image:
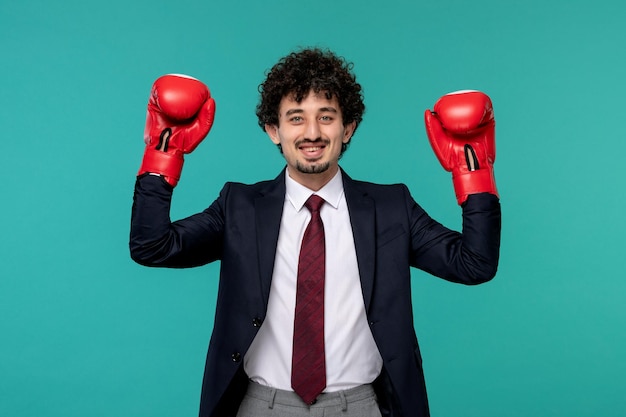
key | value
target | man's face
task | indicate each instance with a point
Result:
(310, 134)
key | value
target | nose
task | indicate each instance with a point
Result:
(312, 130)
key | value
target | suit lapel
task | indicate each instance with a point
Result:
(268, 213)
(362, 216)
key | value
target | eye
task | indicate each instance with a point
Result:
(295, 119)
(326, 118)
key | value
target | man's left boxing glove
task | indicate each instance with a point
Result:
(461, 130)
(180, 115)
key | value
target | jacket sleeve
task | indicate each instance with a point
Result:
(156, 241)
(470, 257)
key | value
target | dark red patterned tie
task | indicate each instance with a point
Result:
(308, 366)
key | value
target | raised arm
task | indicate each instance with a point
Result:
(180, 115)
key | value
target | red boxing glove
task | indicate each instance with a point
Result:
(461, 130)
(180, 115)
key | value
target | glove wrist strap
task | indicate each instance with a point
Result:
(169, 165)
(474, 182)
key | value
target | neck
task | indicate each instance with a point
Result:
(313, 181)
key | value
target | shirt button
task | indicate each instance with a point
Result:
(256, 322)
(236, 357)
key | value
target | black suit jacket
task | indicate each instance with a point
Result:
(391, 234)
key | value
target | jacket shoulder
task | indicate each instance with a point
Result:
(256, 189)
(377, 190)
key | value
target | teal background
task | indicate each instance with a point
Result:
(86, 332)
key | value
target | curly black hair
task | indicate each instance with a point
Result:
(311, 69)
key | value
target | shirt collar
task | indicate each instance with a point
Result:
(297, 194)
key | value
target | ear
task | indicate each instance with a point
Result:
(272, 132)
(348, 132)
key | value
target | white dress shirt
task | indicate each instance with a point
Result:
(352, 357)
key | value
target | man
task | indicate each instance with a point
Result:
(314, 307)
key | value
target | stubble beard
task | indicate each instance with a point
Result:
(312, 169)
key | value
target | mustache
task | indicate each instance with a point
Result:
(318, 141)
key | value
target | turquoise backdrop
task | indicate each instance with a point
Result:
(86, 332)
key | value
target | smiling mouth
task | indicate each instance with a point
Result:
(312, 148)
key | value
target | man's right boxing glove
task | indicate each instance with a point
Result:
(461, 130)
(180, 115)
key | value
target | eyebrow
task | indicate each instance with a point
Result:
(321, 110)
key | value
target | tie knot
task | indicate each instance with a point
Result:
(314, 203)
